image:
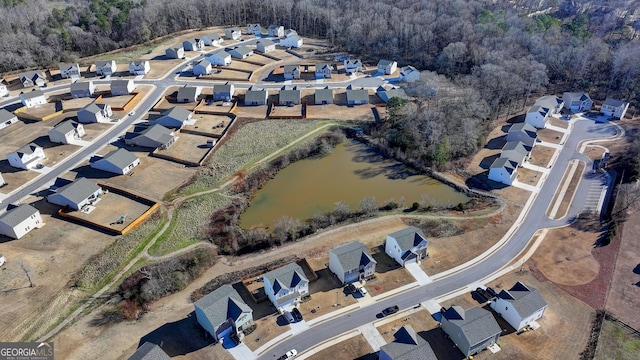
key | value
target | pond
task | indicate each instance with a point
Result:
(350, 173)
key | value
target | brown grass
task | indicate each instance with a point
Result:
(188, 147)
(420, 321)
(549, 135)
(557, 122)
(570, 190)
(541, 155)
(352, 348)
(527, 176)
(267, 328)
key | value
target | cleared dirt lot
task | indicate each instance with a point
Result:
(541, 155)
(188, 147)
(355, 347)
(213, 125)
(420, 321)
(549, 135)
(527, 176)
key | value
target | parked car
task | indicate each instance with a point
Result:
(484, 293)
(352, 288)
(390, 310)
(289, 317)
(492, 292)
(289, 355)
(478, 297)
(363, 291)
(296, 314)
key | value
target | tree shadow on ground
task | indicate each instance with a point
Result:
(179, 337)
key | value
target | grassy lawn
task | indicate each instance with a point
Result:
(133, 54)
(617, 343)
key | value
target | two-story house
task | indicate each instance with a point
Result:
(17, 222)
(352, 262)
(27, 157)
(406, 246)
(520, 306)
(66, 132)
(223, 312)
(286, 286)
(471, 330)
(577, 101)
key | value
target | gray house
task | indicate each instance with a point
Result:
(265, 45)
(7, 118)
(106, 67)
(408, 245)
(193, 45)
(17, 222)
(352, 262)
(407, 345)
(188, 94)
(520, 306)
(223, 92)
(471, 330)
(276, 30)
(82, 89)
(523, 132)
(503, 170)
(285, 286)
(240, 52)
(324, 96)
(255, 97)
(357, 97)
(515, 151)
(77, 194)
(387, 94)
(95, 113)
(223, 312)
(149, 351)
(118, 161)
(174, 118)
(289, 97)
(69, 71)
(156, 137)
(291, 72)
(122, 87)
(176, 52)
(32, 78)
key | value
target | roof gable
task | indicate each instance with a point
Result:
(409, 237)
(353, 255)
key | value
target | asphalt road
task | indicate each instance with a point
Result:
(533, 221)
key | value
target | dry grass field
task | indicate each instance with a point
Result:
(541, 155)
(188, 147)
(549, 135)
(213, 125)
(355, 347)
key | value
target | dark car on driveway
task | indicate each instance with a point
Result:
(390, 310)
(296, 314)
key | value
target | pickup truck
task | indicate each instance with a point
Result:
(390, 310)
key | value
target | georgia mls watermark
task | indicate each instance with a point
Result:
(26, 350)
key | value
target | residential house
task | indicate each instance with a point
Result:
(3, 89)
(289, 97)
(352, 262)
(66, 132)
(503, 170)
(614, 108)
(386, 94)
(155, 137)
(118, 161)
(240, 52)
(523, 132)
(176, 52)
(149, 351)
(471, 330)
(293, 41)
(291, 72)
(193, 45)
(551, 102)
(537, 116)
(32, 78)
(223, 92)
(82, 89)
(255, 97)
(577, 101)
(139, 67)
(7, 118)
(188, 94)
(95, 113)
(77, 194)
(290, 33)
(219, 58)
(2, 182)
(70, 70)
(213, 40)
(324, 96)
(122, 87)
(27, 157)
(174, 118)
(515, 151)
(203, 67)
(106, 68)
(276, 31)
(232, 33)
(407, 345)
(222, 312)
(285, 286)
(33, 98)
(357, 97)
(387, 67)
(17, 222)
(520, 306)
(352, 66)
(254, 29)
(409, 74)
(406, 246)
(323, 71)
(265, 46)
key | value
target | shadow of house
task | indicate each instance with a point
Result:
(45, 207)
(261, 309)
(384, 262)
(440, 344)
(487, 161)
(504, 325)
(327, 281)
(517, 119)
(5, 168)
(45, 143)
(636, 270)
(90, 173)
(179, 337)
(481, 181)
(496, 143)
(371, 356)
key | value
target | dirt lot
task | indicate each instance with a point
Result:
(216, 106)
(42, 110)
(213, 125)
(226, 74)
(356, 347)
(241, 65)
(541, 155)
(528, 176)
(284, 111)
(327, 295)
(549, 135)
(420, 321)
(594, 152)
(252, 112)
(267, 328)
(389, 275)
(76, 104)
(188, 147)
(116, 101)
(573, 182)
(557, 122)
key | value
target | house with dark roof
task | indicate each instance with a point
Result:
(387, 67)
(188, 94)
(503, 170)
(149, 351)
(291, 72)
(255, 97)
(265, 45)
(95, 113)
(77, 195)
(155, 137)
(614, 108)
(352, 66)
(407, 345)
(223, 312)
(203, 67)
(17, 222)
(33, 98)
(240, 52)
(106, 67)
(577, 101)
(323, 96)
(520, 306)
(537, 116)
(82, 89)
(289, 97)
(406, 246)
(66, 132)
(515, 151)
(323, 71)
(219, 58)
(122, 87)
(7, 118)
(352, 262)
(69, 70)
(174, 118)
(357, 96)
(223, 92)
(276, 30)
(212, 39)
(232, 33)
(27, 157)
(386, 94)
(175, 52)
(193, 45)
(32, 78)
(290, 33)
(409, 74)
(139, 67)
(471, 330)
(523, 132)
(118, 161)
(254, 29)
(551, 102)
(285, 286)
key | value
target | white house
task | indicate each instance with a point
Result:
(174, 118)
(33, 98)
(118, 161)
(2, 182)
(219, 58)
(290, 33)
(212, 40)
(7, 118)
(188, 94)
(285, 286)
(95, 113)
(203, 67)
(352, 66)
(32, 78)
(265, 45)
(254, 29)
(240, 52)
(3, 90)
(276, 31)
(577, 101)
(77, 195)
(106, 67)
(409, 74)
(614, 108)
(407, 345)
(291, 72)
(155, 137)
(323, 71)
(193, 45)
(139, 67)
(471, 330)
(176, 52)
(27, 157)
(122, 87)
(66, 132)
(232, 33)
(352, 262)
(503, 170)
(255, 97)
(69, 70)
(537, 116)
(519, 306)
(293, 41)
(515, 151)
(223, 92)
(387, 67)
(82, 89)
(406, 246)
(17, 222)
(523, 132)
(223, 312)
